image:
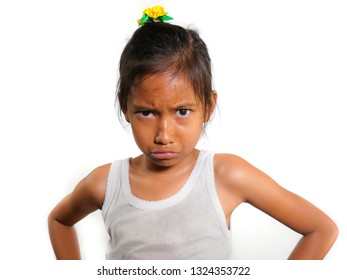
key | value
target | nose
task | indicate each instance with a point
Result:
(165, 133)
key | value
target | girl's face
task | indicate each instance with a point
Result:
(165, 118)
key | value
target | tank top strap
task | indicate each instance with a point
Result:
(211, 187)
(114, 181)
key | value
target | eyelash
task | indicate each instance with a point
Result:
(149, 114)
(142, 113)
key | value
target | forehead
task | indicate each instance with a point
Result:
(164, 87)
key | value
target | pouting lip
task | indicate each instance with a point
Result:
(163, 154)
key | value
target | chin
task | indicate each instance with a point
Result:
(164, 162)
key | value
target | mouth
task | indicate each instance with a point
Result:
(164, 155)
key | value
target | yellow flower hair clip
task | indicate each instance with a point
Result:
(154, 14)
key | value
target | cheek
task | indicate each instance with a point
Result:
(140, 132)
(192, 131)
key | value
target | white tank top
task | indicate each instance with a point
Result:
(187, 225)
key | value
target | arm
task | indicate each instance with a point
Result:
(87, 197)
(253, 186)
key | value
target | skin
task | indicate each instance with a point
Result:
(167, 122)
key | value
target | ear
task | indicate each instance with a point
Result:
(125, 112)
(209, 111)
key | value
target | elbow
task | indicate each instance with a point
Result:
(333, 232)
(330, 234)
(50, 222)
(50, 218)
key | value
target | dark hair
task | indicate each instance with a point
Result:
(165, 48)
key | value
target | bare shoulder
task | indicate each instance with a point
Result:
(230, 165)
(232, 168)
(228, 171)
(238, 175)
(94, 184)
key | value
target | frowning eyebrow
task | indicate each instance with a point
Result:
(185, 105)
(150, 107)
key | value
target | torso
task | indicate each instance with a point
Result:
(192, 193)
(150, 186)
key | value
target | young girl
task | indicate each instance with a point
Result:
(174, 201)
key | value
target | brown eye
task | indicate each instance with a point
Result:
(145, 114)
(183, 113)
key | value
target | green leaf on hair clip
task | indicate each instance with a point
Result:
(165, 18)
(143, 20)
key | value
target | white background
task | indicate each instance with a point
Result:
(280, 68)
